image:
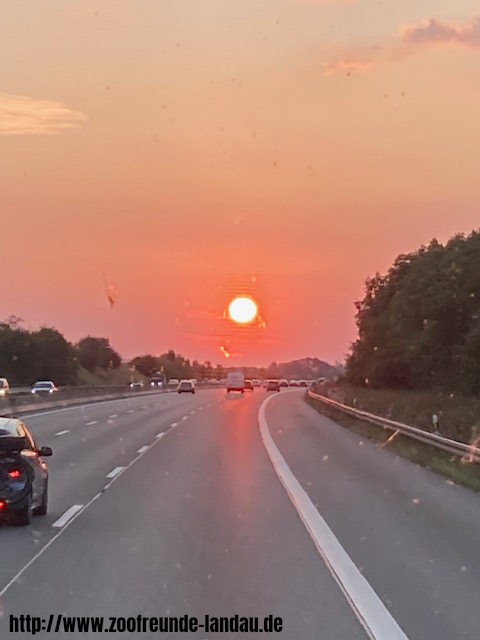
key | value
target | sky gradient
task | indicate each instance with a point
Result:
(176, 148)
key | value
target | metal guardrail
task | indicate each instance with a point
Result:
(468, 453)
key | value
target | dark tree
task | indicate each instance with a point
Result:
(418, 326)
(147, 365)
(96, 353)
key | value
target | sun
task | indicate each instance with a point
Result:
(243, 310)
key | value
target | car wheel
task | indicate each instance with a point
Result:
(41, 510)
(23, 517)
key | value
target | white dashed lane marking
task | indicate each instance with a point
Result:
(68, 515)
(114, 472)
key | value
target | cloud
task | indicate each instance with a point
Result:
(325, 2)
(432, 31)
(348, 65)
(23, 115)
(409, 40)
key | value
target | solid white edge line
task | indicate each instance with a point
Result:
(160, 435)
(143, 449)
(62, 433)
(369, 609)
(68, 515)
(114, 472)
(174, 424)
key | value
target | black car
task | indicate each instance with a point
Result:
(273, 385)
(23, 473)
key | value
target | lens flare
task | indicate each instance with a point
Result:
(242, 310)
(224, 350)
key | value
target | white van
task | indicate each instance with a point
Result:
(235, 381)
(4, 387)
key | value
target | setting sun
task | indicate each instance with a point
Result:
(242, 310)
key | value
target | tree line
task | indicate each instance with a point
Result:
(45, 354)
(419, 324)
(174, 365)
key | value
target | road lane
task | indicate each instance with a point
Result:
(414, 535)
(83, 457)
(200, 524)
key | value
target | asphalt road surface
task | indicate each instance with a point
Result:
(223, 505)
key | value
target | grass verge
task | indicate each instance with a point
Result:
(436, 460)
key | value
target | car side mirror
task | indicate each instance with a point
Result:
(44, 452)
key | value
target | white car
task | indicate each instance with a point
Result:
(44, 387)
(185, 386)
(136, 385)
(173, 382)
(4, 387)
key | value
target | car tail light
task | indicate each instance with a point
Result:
(14, 474)
(3, 504)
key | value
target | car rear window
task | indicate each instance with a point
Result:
(9, 428)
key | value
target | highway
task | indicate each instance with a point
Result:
(224, 505)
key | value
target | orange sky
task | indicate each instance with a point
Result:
(177, 145)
